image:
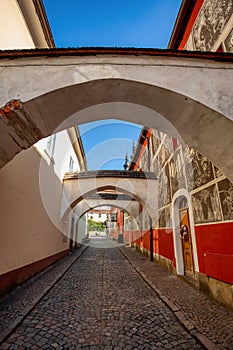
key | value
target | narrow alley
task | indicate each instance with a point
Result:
(96, 299)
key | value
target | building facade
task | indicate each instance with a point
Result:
(195, 198)
(25, 25)
(32, 233)
(204, 25)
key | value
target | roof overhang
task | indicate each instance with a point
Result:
(96, 51)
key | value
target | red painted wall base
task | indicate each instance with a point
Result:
(11, 279)
(215, 250)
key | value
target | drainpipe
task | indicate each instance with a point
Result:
(71, 236)
(150, 219)
(71, 246)
(148, 151)
(151, 240)
(76, 235)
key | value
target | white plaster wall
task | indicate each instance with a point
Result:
(27, 233)
(81, 228)
(62, 152)
(211, 80)
(14, 33)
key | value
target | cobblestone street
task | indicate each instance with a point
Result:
(100, 302)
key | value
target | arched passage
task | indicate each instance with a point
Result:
(131, 206)
(201, 127)
(137, 185)
(132, 210)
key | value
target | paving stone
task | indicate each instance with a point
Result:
(203, 314)
(101, 302)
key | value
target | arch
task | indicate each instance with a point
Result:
(102, 205)
(139, 186)
(201, 127)
(65, 209)
(182, 193)
(86, 205)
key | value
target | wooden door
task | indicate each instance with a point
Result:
(186, 243)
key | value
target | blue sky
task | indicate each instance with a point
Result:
(125, 23)
(107, 142)
(111, 23)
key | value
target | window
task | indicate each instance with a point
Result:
(71, 166)
(51, 145)
(99, 215)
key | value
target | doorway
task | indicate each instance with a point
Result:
(186, 238)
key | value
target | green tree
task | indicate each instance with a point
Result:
(95, 225)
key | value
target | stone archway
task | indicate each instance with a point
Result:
(138, 186)
(151, 90)
(130, 205)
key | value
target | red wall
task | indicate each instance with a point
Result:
(166, 246)
(215, 250)
(162, 241)
(214, 247)
(132, 236)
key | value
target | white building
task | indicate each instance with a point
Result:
(99, 214)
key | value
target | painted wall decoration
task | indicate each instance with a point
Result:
(218, 172)
(189, 44)
(226, 197)
(146, 221)
(130, 223)
(155, 167)
(210, 23)
(199, 169)
(168, 144)
(163, 155)
(177, 171)
(165, 217)
(164, 188)
(144, 161)
(173, 170)
(155, 140)
(229, 42)
(206, 206)
(211, 203)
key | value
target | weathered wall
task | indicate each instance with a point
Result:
(210, 27)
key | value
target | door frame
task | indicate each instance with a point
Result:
(176, 231)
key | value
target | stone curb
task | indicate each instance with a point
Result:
(23, 314)
(187, 323)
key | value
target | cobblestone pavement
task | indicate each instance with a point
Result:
(209, 321)
(101, 302)
(15, 306)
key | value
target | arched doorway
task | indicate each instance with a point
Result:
(184, 237)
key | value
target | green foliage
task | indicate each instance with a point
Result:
(95, 226)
